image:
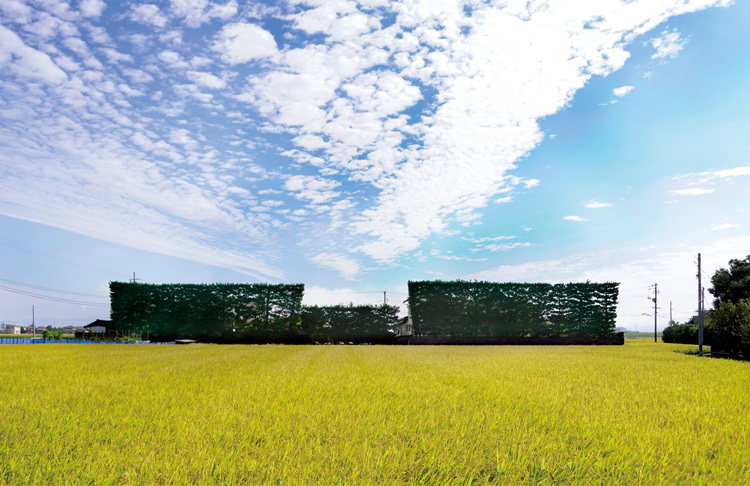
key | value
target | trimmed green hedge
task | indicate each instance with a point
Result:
(686, 333)
(208, 312)
(350, 323)
(461, 308)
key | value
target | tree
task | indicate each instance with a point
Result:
(731, 285)
(731, 329)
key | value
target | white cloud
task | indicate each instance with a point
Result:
(148, 14)
(27, 62)
(242, 42)
(574, 218)
(182, 137)
(597, 204)
(622, 91)
(197, 12)
(173, 59)
(16, 11)
(693, 191)
(207, 80)
(669, 44)
(345, 266)
(723, 226)
(730, 173)
(137, 75)
(92, 8)
(317, 190)
(507, 246)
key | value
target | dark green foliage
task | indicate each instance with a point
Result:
(462, 308)
(350, 323)
(733, 284)
(207, 312)
(110, 336)
(731, 329)
(681, 333)
(52, 335)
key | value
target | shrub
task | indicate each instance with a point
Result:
(52, 335)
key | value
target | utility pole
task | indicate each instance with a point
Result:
(134, 279)
(384, 298)
(33, 324)
(670, 312)
(656, 293)
(700, 309)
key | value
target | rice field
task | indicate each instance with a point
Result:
(642, 413)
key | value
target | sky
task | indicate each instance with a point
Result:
(356, 145)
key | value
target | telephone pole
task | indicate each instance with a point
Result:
(384, 297)
(656, 292)
(134, 279)
(700, 309)
(670, 312)
(33, 323)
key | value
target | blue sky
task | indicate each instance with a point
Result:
(355, 145)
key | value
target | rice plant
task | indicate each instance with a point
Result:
(642, 413)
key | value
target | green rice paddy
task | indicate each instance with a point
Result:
(642, 413)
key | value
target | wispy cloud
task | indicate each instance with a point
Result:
(345, 266)
(574, 218)
(668, 44)
(723, 226)
(622, 91)
(693, 191)
(598, 204)
(148, 14)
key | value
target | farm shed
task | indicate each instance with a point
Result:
(99, 326)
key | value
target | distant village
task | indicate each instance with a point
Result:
(98, 326)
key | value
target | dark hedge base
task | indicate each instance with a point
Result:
(615, 340)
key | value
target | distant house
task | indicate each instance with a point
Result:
(405, 327)
(99, 326)
(12, 329)
(405, 324)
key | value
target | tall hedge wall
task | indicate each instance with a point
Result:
(461, 308)
(211, 312)
(350, 323)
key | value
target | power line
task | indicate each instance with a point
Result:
(48, 297)
(48, 289)
(353, 292)
(49, 256)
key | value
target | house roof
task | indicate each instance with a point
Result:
(99, 323)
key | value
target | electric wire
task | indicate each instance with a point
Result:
(48, 289)
(48, 297)
(49, 256)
